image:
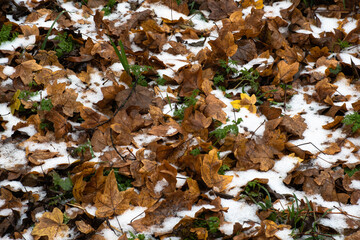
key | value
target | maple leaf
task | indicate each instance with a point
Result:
(25, 71)
(245, 102)
(112, 201)
(209, 172)
(286, 72)
(51, 225)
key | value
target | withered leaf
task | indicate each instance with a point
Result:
(224, 46)
(61, 125)
(84, 227)
(324, 89)
(294, 125)
(25, 71)
(170, 128)
(214, 108)
(112, 201)
(51, 225)
(92, 118)
(209, 172)
(9, 200)
(286, 72)
(141, 97)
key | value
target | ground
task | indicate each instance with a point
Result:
(183, 119)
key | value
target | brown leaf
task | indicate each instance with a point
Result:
(220, 9)
(294, 125)
(170, 128)
(112, 201)
(209, 172)
(61, 125)
(223, 46)
(336, 123)
(213, 108)
(315, 53)
(291, 55)
(92, 118)
(195, 122)
(66, 101)
(332, 149)
(270, 112)
(25, 71)
(84, 227)
(51, 225)
(286, 72)
(8, 199)
(156, 215)
(246, 51)
(324, 89)
(191, 79)
(141, 97)
(38, 155)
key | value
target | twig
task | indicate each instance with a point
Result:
(113, 145)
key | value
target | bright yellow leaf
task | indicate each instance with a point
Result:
(245, 102)
(259, 4)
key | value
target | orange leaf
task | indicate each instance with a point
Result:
(209, 172)
(51, 225)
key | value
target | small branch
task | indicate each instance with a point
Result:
(113, 145)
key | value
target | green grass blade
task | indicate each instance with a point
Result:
(121, 56)
(50, 29)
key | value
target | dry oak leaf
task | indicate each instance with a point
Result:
(209, 172)
(51, 225)
(245, 102)
(220, 9)
(112, 201)
(272, 228)
(286, 72)
(67, 102)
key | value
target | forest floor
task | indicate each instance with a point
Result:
(181, 119)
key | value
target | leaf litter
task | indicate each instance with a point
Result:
(219, 119)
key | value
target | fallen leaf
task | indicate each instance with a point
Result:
(209, 172)
(245, 102)
(286, 72)
(51, 225)
(112, 201)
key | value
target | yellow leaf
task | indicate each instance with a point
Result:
(245, 102)
(297, 158)
(236, 104)
(51, 225)
(259, 4)
(15, 102)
